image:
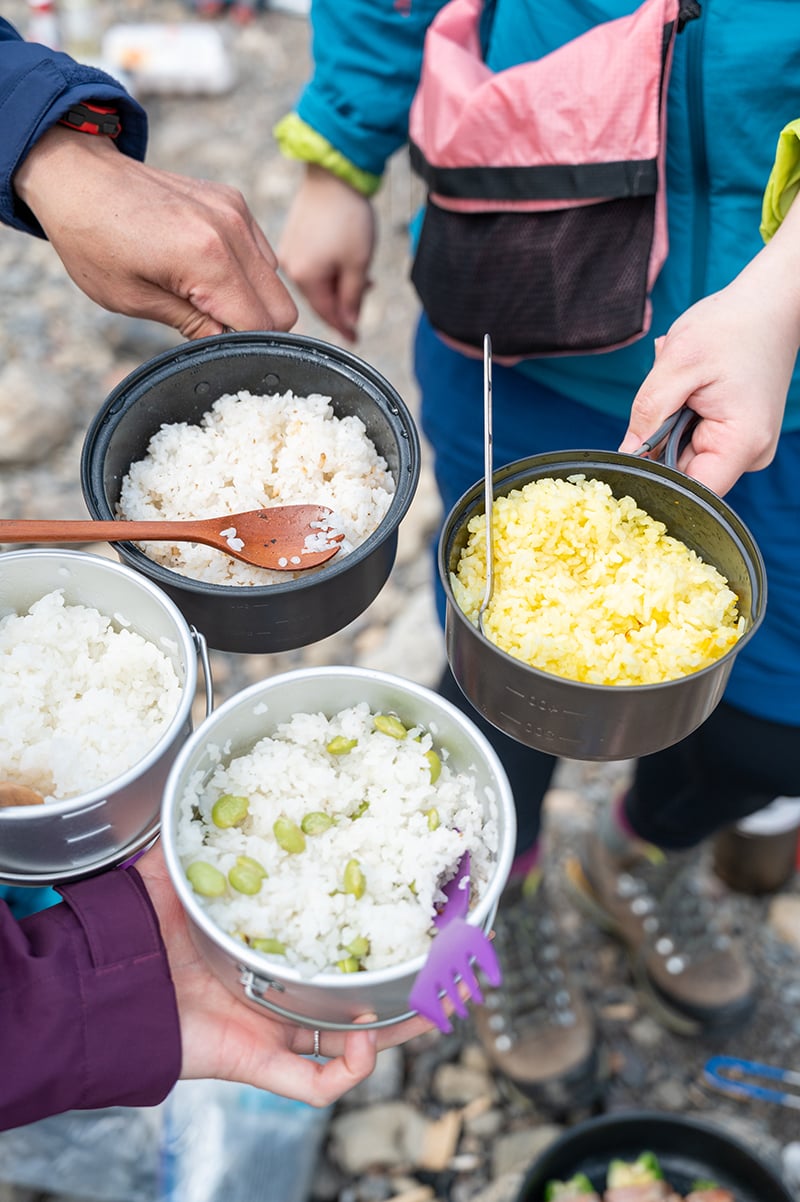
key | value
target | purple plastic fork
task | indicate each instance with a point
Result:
(455, 947)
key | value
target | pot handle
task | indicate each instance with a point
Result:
(201, 647)
(255, 990)
(676, 430)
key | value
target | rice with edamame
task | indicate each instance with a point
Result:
(82, 698)
(327, 844)
(252, 452)
(590, 587)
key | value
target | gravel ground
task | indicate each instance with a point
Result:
(437, 1124)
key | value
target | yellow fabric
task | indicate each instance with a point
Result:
(784, 180)
(298, 140)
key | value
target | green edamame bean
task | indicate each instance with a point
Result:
(354, 880)
(433, 819)
(436, 765)
(348, 965)
(205, 879)
(388, 724)
(229, 810)
(246, 875)
(359, 947)
(362, 809)
(316, 822)
(289, 835)
(252, 864)
(341, 745)
(273, 947)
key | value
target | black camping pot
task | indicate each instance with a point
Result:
(687, 1151)
(602, 722)
(181, 385)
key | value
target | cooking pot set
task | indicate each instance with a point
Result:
(66, 840)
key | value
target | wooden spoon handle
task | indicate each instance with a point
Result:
(35, 530)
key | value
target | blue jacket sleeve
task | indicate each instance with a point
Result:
(367, 56)
(88, 1017)
(37, 86)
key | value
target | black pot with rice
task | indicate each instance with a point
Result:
(551, 709)
(179, 389)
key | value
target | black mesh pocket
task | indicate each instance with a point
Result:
(552, 282)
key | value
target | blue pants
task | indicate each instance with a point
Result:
(763, 691)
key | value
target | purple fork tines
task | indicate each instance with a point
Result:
(455, 948)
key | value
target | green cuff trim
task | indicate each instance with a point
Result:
(298, 140)
(784, 180)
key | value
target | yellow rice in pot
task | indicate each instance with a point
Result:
(590, 587)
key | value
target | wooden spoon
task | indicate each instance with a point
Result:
(18, 795)
(285, 538)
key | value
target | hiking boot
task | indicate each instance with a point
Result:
(535, 1027)
(663, 910)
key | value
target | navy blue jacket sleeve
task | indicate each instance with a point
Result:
(88, 1016)
(37, 86)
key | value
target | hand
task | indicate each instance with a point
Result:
(145, 242)
(730, 358)
(326, 248)
(224, 1038)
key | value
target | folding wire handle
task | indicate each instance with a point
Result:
(677, 430)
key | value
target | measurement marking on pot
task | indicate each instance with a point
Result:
(86, 810)
(89, 834)
(547, 707)
(539, 732)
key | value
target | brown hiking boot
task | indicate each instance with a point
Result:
(535, 1026)
(662, 909)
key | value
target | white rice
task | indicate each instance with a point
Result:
(252, 452)
(302, 901)
(80, 700)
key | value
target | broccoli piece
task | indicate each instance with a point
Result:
(577, 1185)
(641, 1171)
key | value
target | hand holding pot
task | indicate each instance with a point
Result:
(730, 358)
(145, 242)
(223, 1038)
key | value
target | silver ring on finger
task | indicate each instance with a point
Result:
(316, 1045)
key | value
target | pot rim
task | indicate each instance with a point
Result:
(184, 634)
(254, 961)
(120, 401)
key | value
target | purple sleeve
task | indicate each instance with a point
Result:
(88, 1016)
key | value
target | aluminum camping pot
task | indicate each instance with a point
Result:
(582, 721)
(326, 1000)
(181, 385)
(65, 840)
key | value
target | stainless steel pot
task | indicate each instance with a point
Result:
(328, 1000)
(687, 1150)
(601, 722)
(181, 385)
(66, 840)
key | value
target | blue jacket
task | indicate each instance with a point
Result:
(37, 86)
(735, 83)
